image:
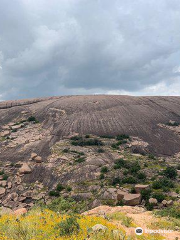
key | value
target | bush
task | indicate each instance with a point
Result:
(134, 168)
(5, 177)
(132, 190)
(54, 193)
(120, 163)
(163, 183)
(32, 119)
(59, 187)
(104, 169)
(69, 226)
(2, 172)
(149, 206)
(116, 180)
(107, 136)
(172, 211)
(129, 180)
(159, 196)
(101, 176)
(115, 146)
(146, 194)
(122, 137)
(170, 172)
(100, 150)
(151, 156)
(178, 167)
(172, 124)
(69, 189)
(141, 176)
(80, 160)
(67, 205)
(86, 142)
(66, 150)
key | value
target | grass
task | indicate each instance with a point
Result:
(119, 216)
(48, 225)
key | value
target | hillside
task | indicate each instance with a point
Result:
(101, 115)
(80, 152)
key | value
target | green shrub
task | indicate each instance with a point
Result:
(172, 211)
(69, 226)
(120, 163)
(87, 142)
(100, 150)
(163, 183)
(122, 137)
(32, 119)
(69, 189)
(80, 160)
(107, 136)
(104, 169)
(149, 206)
(59, 187)
(54, 193)
(151, 156)
(146, 194)
(159, 196)
(129, 180)
(141, 176)
(66, 150)
(132, 190)
(101, 176)
(2, 172)
(5, 177)
(115, 146)
(134, 167)
(67, 205)
(116, 180)
(173, 124)
(87, 136)
(170, 172)
(120, 142)
(178, 167)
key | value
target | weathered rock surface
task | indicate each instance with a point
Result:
(25, 169)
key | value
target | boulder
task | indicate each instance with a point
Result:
(38, 159)
(25, 169)
(120, 195)
(33, 155)
(20, 211)
(98, 228)
(9, 185)
(132, 199)
(4, 134)
(140, 187)
(2, 191)
(3, 183)
(164, 203)
(170, 202)
(153, 201)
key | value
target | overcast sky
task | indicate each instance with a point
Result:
(59, 47)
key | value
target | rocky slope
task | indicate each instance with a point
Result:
(68, 146)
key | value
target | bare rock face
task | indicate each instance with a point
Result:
(20, 211)
(132, 199)
(2, 191)
(33, 155)
(140, 187)
(5, 133)
(25, 169)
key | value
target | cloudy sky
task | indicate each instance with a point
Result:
(59, 47)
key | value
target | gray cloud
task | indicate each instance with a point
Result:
(88, 46)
